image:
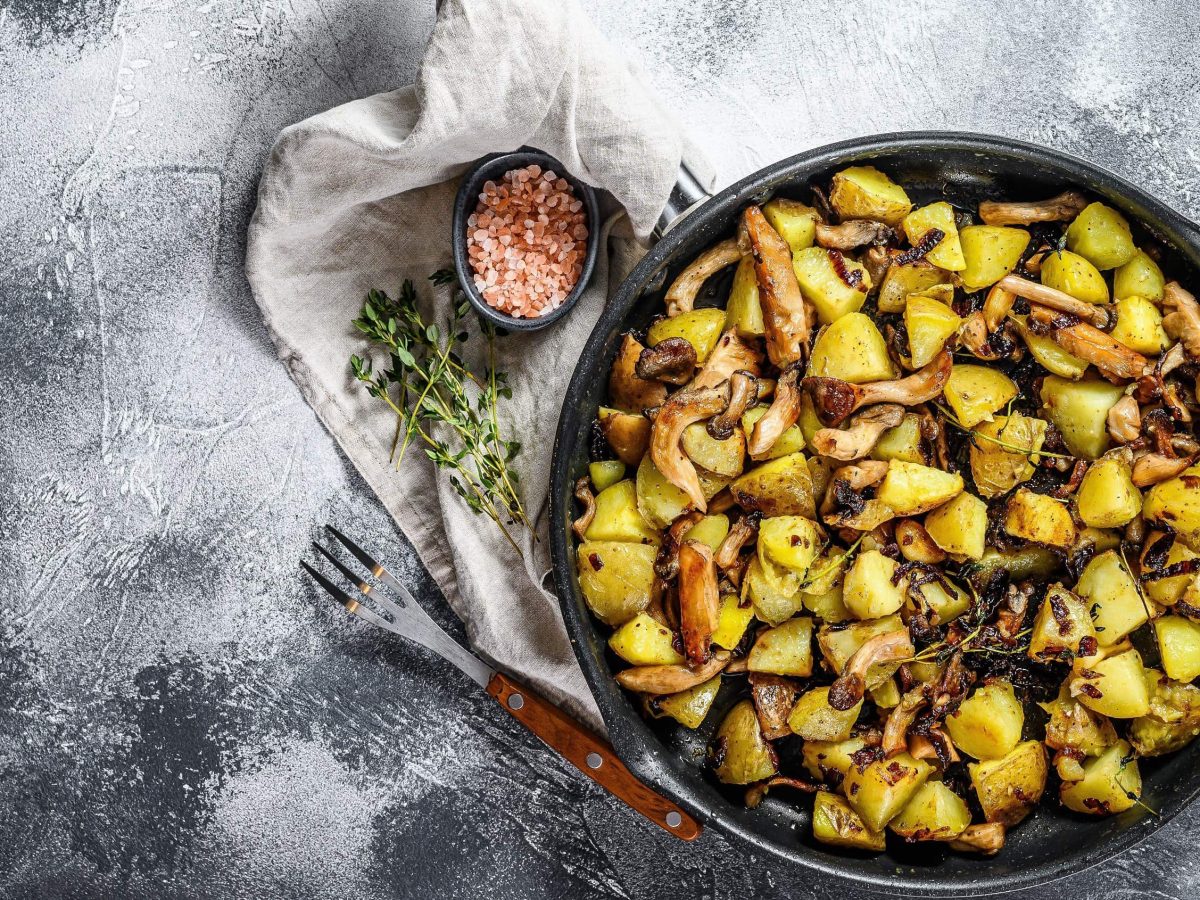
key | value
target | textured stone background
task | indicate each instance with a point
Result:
(181, 715)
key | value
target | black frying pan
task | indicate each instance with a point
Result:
(964, 169)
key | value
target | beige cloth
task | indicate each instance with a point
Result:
(360, 197)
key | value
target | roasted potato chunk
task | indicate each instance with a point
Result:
(1039, 518)
(869, 591)
(835, 822)
(935, 813)
(1010, 787)
(616, 578)
(820, 275)
(1102, 236)
(1113, 598)
(740, 754)
(911, 489)
(701, 328)
(929, 324)
(959, 526)
(1107, 497)
(1115, 686)
(785, 649)
(642, 641)
(1140, 277)
(1179, 646)
(975, 392)
(690, 708)
(813, 719)
(863, 192)
(744, 312)
(1063, 628)
(1072, 274)
(1111, 783)
(947, 253)
(988, 723)
(1079, 409)
(852, 349)
(879, 792)
(1004, 452)
(1175, 504)
(618, 518)
(989, 252)
(795, 222)
(780, 487)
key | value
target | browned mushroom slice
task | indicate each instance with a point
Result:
(1154, 468)
(757, 793)
(895, 732)
(835, 399)
(672, 360)
(1125, 420)
(851, 481)
(681, 410)
(987, 839)
(743, 390)
(1182, 320)
(975, 337)
(628, 435)
(583, 493)
(1063, 208)
(1098, 347)
(997, 306)
(743, 531)
(699, 602)
(877, 261)
(916, 545)
(852, 234)
(1055, 299)
(671, 679)
(785, 317)
(774, 696)
(863, 433)
(626, 391)
(731, 354)
(850, 686)
(681, 295)
(780, 416)
(666, 564)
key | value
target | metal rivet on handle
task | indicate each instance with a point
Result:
(516, 701)
(674, 819)
(595, 760)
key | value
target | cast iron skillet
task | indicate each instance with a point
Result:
(963, 168)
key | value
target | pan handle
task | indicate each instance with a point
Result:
(685, 196)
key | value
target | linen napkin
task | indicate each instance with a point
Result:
(360, 197)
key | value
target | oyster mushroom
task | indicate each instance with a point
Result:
(681, 295)
(1063, 208)
(780, 416)
(774, 697)
(583, 493)
(1099, 348)
(843, 505)
(682, 409)
(861, 436)
(1055, 299)
(743, 390)
(975, 337)
(672, 360)
(756, 793)
(1125, 420)
(699, 601)
(835, 399)
(852, 683)
(731, 354)
(1153, 468)
(853, 234)
(997, 306)
(1182, 320)
(895, 732)
(743, 531)
(785, 316)
(671, 679)
(987, 839)
(666, 564)
(625, 389)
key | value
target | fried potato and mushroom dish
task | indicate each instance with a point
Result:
(920, 499)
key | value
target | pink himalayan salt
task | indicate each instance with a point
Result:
(526, 242)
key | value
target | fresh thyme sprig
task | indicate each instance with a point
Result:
(1016, 448)
(429, 385)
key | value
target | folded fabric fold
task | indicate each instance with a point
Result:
(360, 197)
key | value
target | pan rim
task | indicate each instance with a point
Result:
(633, 740)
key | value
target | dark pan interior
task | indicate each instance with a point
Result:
(963, 169)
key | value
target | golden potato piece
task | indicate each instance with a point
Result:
(1010, 787)
(864, 192)
(740, 753)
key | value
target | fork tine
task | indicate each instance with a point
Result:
(343, 568)
(366, 588)
(332, 589)
(352, 605)
(357, 552)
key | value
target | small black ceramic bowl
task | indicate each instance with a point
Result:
(493, 168)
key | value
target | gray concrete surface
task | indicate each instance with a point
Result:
(181, 715)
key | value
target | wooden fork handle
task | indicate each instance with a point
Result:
(590, 754)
